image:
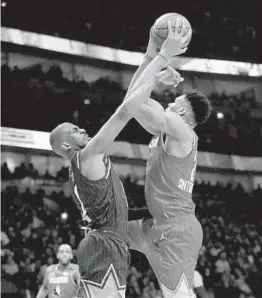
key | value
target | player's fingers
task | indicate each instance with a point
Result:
(185, 38)
(181, 32)
(176, 26)
(170, 30)
(183, 50)
(179, 25)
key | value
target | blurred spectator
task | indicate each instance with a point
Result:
(5, 173)
(237, 133)
(230, 259)
(231, 32)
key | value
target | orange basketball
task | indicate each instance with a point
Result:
(160, 27)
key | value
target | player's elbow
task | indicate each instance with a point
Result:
(128, 109)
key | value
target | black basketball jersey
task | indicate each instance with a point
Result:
(102, 202)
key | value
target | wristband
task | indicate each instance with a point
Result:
(163, 56)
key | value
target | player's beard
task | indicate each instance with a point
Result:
(84, 141)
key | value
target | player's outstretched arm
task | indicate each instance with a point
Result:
(103, 139)
(171, 47)
(162, 121)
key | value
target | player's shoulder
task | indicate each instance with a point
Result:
(50, 269)
(74, 267)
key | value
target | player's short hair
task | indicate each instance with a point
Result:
(201, 106)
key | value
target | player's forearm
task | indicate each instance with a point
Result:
(151, 113)
(43, 292)
(134, 101)
(138, 72)
(102, 140)
(149, 71)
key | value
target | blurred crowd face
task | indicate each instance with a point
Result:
(50, 261)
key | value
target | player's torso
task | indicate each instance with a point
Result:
(102, 202)
(169, 181)
(61, 284)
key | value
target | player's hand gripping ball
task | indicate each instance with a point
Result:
(160, 28)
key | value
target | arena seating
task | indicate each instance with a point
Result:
(39, 96)
(230, 259)
(221, 30)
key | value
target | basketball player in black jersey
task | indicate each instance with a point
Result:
(102, 255)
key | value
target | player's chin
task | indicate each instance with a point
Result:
(64, 261)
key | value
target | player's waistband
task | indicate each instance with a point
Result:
(172, 220)
(112, 233)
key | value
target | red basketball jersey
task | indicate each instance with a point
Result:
(169, 180)
(61, 284)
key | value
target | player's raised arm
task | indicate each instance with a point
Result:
(110, 130)
(165, 121)
(172, 46)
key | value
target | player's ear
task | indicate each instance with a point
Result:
(65, 146)
(182, 111)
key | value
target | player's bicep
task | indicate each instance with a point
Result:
(152, 116)
(145, 124)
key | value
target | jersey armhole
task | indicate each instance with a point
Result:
(106, 162)
(169, 154)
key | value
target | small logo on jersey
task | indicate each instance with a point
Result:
(163, 237)
(153, 143)
(57, 291)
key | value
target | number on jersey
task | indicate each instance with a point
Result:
(193, 173)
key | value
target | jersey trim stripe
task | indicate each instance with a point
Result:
(101, 285)
(88, 294)
(108, 169)
(83, 210)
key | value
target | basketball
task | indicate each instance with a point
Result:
(160, 27)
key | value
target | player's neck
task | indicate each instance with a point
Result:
(189, 123)
(62, 267)
(71, 153)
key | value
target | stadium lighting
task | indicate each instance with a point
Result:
(64, 216)
(220, 115)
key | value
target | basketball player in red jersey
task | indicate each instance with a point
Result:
(61, 280)
(172, 239)
(103, 255)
